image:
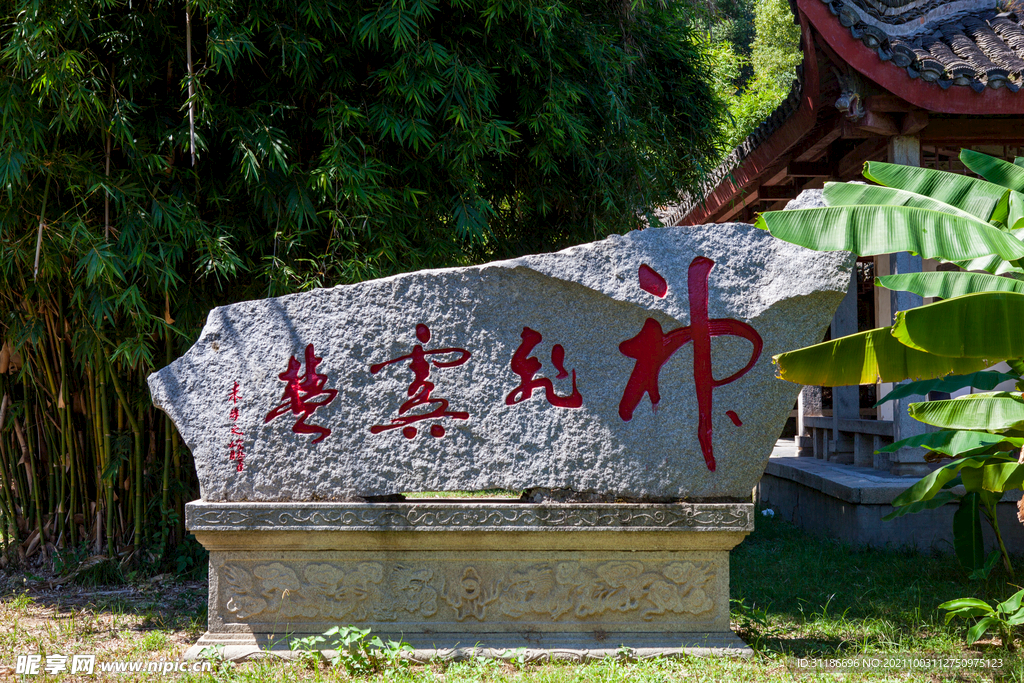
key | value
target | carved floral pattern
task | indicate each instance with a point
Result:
(376, 516)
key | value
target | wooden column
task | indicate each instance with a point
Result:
(906, 150)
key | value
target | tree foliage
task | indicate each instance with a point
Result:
(333, 142)
(764, 68)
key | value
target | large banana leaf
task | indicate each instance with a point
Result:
(977, 197)
(996, 411)
(938, 500)
(1002, 476)
(1015, 211)
(1018, 161)
(984, 325)
(871, 230)
(856, 194)
(979, 380)
(957, 443)
(865, 358)
(994, 264)
(931, 484)
(996, 171)
(947, 285)
(968, 543)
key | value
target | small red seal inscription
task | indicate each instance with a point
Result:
(236, 446)
(298, 393)
(653, 347)
(421, 387)
(526, 366)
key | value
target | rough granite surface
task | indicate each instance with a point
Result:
(228, 399)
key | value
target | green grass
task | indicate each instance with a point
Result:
(794, 596)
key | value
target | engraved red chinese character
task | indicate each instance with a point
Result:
(526, 366)
(236, 446)
(299, 392)
(419, 390)
(653, 347)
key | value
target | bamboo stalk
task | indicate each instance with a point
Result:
(101, 373)
(25, 438)
(137, 432)
(191, 89)
(165, 496)
(42, 222)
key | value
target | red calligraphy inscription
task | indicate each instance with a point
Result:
(299, 392)
(653, 347)
(236, 446)
(419, 390)
(526, 366)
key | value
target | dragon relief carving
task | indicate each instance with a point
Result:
(567, 587)
(554, 589)
(325, 591)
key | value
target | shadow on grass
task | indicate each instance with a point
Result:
(795, 593)
(156, 605)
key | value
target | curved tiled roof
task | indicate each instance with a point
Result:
(958, 42)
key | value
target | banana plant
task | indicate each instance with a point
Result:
(977, 224)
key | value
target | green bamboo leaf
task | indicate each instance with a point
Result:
(865, 358)
(947, 285)
(984, 325)
(977, 197)
(996, 411)
(986, 380)
(956, 443)
(967, 540)
(856, 194)
(873, 230)
(996, 171)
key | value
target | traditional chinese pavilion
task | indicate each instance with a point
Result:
(904, 81)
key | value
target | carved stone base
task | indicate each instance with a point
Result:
(561, 580)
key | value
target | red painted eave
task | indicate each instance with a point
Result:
(957, 99)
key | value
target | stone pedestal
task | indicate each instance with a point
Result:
(455, 578)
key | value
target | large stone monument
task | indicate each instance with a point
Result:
(625, 387)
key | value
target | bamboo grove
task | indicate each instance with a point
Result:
(159, 158)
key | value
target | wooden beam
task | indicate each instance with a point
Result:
(914, 122)
(773, 193)
(809, 169)
(888, 103)
(871, 124)
(820, 147)
(740, 204)
(973, 131)
(851, 165)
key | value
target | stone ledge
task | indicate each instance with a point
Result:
(845, 482)
(245, 647)
(468, 516)
(849, 483)
(876, 427)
